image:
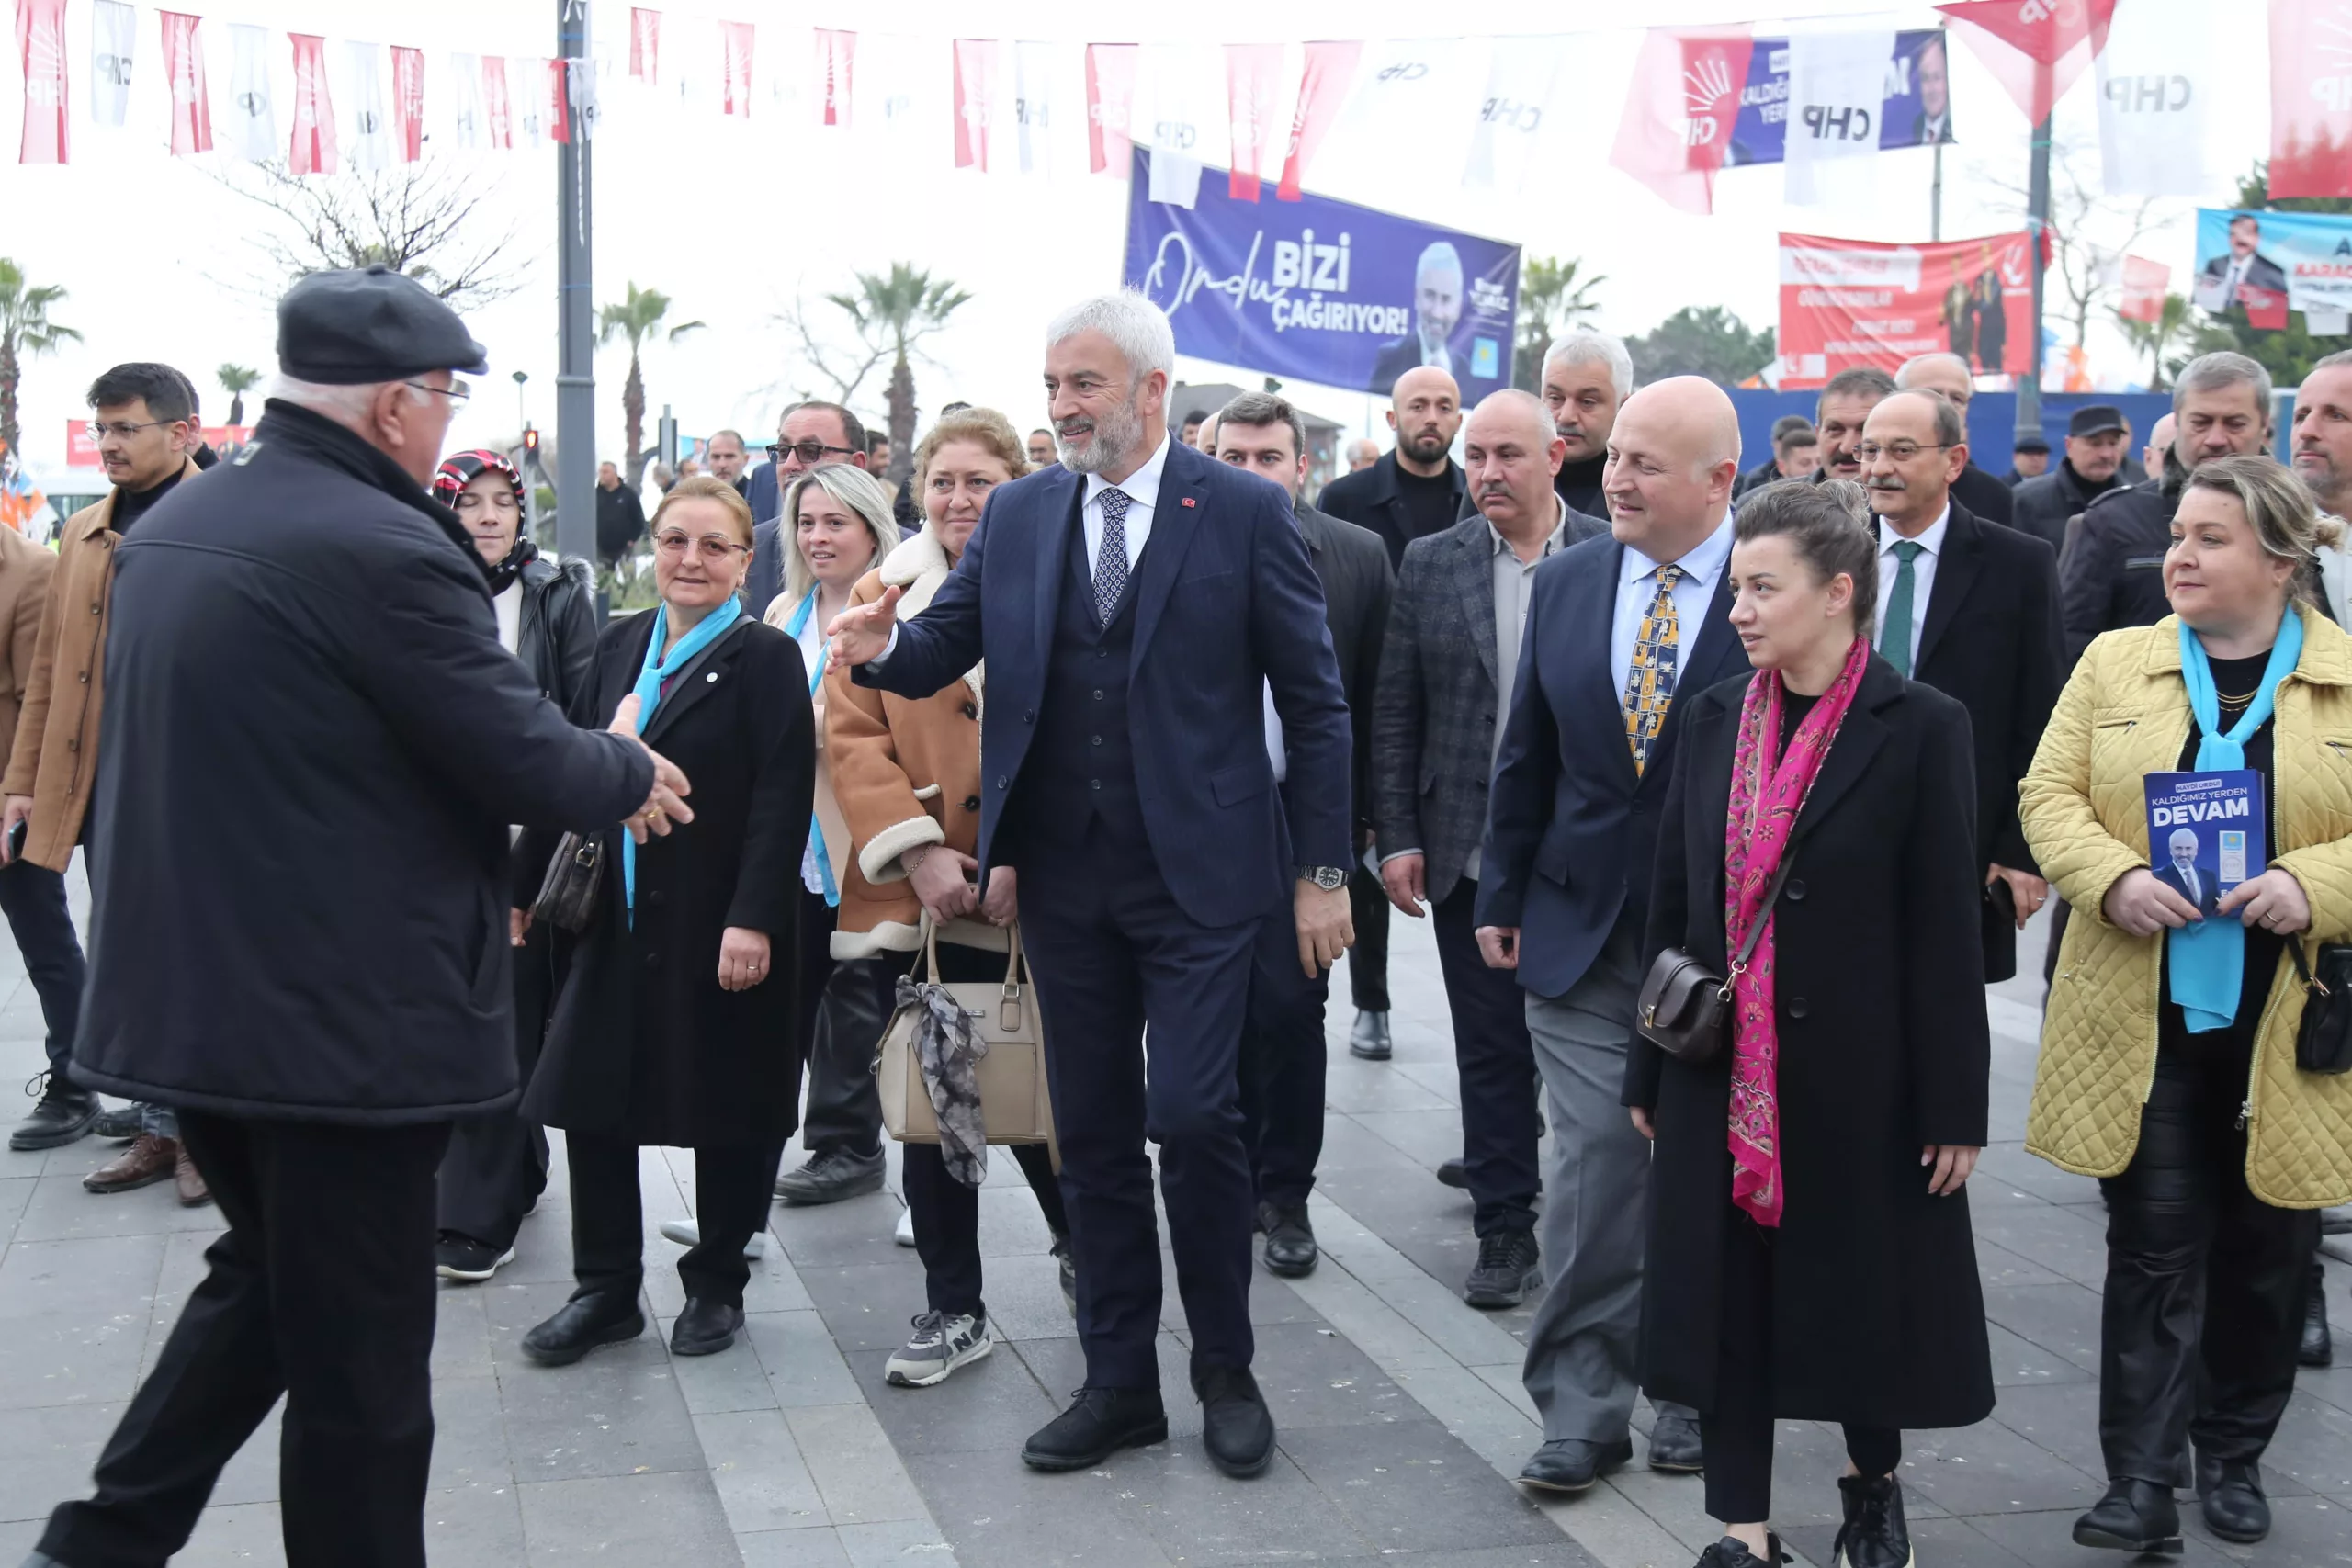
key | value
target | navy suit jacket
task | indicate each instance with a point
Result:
(1571, 827)
(1226, 600)
(2208, 898)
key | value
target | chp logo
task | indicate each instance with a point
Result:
(2334, 91)
(1706, 93)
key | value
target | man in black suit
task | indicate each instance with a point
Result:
(2181, 874)
(1587, 377)
(1972, 611)
(1437, 310)
(1446, 668)
(2240, 266)
(2096, 437)
(1282, 1060)
(1979, 492)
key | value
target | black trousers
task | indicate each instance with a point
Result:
(33, 898)
(1283, 1064)
(321, 1290)
(846, 1007)
(2204, 1300)
(1368, 959)
(1737, 1433)
(731, 1200)
(1501, 1123)
(497, 1165)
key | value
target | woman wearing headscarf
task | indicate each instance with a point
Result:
(497, 1166)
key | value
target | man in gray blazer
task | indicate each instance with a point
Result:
(1445, 678)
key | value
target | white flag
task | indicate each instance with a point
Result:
(1408, 119)
(112, 26)
(901, 112)
(366, 125)
(1033, 105)
(465, 101)
(1181, 116)
(1521, 79)
(253, 114)
(1837, 88)
(580, 81)
(2155, 76)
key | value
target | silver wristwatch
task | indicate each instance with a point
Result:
(1330, 878)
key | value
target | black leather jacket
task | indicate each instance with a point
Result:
(557, 637)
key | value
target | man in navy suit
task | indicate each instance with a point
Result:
(2180, 874)
(1616, 629)
(1137, 605)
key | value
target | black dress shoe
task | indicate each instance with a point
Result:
(582, 1325)
(704, 1326)
(2230, 1491)
(1453, 1173)
(1573, 1464)
(1099, 1423)
(122, 1124)
(1291, 1251)
(2134, 1516)
(63, 1114)
(830, 1176)
(1675, 1447)
(1874, 1535)
(1508, 1267)
(1369, 1039)
(1732, 1553)
(2318, 1350)
(1236, 1426)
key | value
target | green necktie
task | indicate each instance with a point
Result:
(1894, 642)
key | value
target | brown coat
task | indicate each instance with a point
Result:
(906, 772)
(25, 572)
(55, 756)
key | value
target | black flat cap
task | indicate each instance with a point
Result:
(2031, 444)
(348, 329)
(2096, 419)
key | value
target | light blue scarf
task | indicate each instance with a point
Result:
(2209, 956)
(799, 624)
(655, 670)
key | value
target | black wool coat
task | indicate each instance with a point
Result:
(643, 1042)
(1878, 1317)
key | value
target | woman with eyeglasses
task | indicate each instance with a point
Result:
(497, 1166)
(675, 1024)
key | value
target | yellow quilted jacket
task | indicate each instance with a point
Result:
(2123, 714)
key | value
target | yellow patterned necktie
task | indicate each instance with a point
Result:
(1649, 685)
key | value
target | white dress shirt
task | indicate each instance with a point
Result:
(1923, 575)
(1143, 500)
(507, 604)
(1637, 591)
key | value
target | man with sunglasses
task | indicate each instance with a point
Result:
(810, 435)
(146, 420)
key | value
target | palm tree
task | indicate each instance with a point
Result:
(1553, 297)
(236, 380)
(25, 331)
(638, 317)
(2152, 338)
(895, 312)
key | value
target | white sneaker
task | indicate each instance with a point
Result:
(905, 1235)
(940, 1344)
(687, 1233)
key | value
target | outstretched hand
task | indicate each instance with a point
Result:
(667, 802)
(861, 634)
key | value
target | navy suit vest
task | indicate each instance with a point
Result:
(1082, 765)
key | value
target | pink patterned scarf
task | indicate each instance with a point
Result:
(1767, 797)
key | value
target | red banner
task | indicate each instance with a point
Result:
(1251, 73)
(645, 45)
(559, 101)
(2311, 102)
(735, 41)
(1110, 106)
(183, 69)
(41, 46)
(836, 55)
(975, 96)
(1322, 85)
(2036, 48)
(1676, 127)
(497, 108)
(408, 102)
(1848, 302)
(312, 148)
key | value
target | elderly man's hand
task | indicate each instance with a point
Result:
(667, 802)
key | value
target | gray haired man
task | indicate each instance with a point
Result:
(1587, 377)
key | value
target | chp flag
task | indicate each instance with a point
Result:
(1854, 302)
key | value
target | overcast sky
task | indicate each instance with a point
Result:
(735, 218)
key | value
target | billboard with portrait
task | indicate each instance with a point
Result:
(1323, 290)
(2271, 262)
(1848, 302)
(1917, 111)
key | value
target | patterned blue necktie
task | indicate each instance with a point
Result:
(1111, 564)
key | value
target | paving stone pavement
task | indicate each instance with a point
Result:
(1401, 1409)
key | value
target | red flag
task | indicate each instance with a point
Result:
(497, 108)
(2310, 101)
(1110, 106)
(40, 45)
(312, 150)
(2037, 48)
(1250, 70)
(1676, 127)
(408, 102)
(2144, 282)
(836, 55)
(735, 41)
(975, 93)
(558, 102)
(1322, 87)
(183, 69)
(645, 45)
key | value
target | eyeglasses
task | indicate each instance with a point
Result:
(812, 451)
(1901, 451)
(457, 391)
(672, 542)
(97, 431)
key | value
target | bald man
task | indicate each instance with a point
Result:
(1362, 454)
(1416, 490)
(1981, 492)
(1617, 628)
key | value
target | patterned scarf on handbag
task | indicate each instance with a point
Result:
(1768, 796)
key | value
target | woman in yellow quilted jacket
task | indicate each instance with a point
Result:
(2167, 1063)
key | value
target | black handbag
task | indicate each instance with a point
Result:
(568, 894)
(2324, 1039)
(1685, 1007)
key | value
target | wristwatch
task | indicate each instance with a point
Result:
(1330, 878)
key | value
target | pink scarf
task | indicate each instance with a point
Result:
(1766, 799)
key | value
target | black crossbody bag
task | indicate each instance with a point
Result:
(2324, 1038)
(1685, 1007)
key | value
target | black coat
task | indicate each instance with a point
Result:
(1984, 495)
(2111, 570)
(314, 747)
(643, 1042)
(1357, 587)
(1370, 498)
(1878, 1317)
(620, 518)
(1579, 484)
(1991, 641)
(2044, 505)
(556, 633)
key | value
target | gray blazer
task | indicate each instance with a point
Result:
(1433, 711)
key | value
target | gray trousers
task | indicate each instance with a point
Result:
(1596, 1179)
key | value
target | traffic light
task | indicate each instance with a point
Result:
(531, 444)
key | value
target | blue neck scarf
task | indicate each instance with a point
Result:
(649, 677)
(798, 623)
(2209, 956)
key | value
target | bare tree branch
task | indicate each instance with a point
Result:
(2080, 215)
(845, 369)
(422, 219)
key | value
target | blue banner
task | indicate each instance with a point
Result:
(2274, 261)
(1917, 112)
(1322, 291)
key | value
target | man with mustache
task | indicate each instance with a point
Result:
(1845, 402)
(1587, 375)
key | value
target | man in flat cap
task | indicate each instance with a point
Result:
(2098, 437)
(314, 745)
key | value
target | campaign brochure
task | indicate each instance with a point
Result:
(2205, 832)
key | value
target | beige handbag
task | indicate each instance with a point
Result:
(1014, 1104)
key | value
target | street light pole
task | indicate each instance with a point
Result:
(576, 381)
